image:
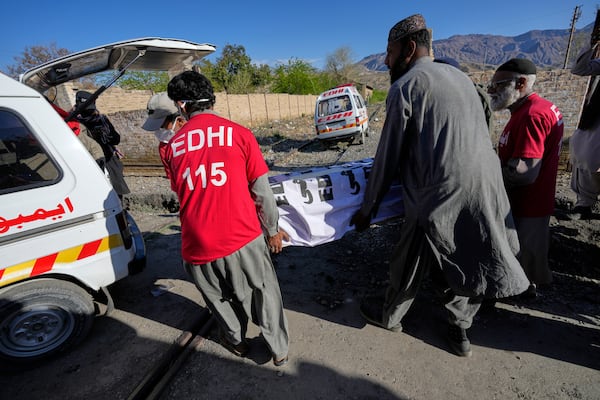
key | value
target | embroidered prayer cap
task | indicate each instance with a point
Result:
(408, 25)
(159, 107)
(519, 65)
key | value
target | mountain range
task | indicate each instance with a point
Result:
(546, 48)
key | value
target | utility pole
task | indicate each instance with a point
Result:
(576, 15)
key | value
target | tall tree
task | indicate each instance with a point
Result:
(295, 77)
(156, 81)
(233, 62)
(262, 75)
(33, 56)
(339, 64)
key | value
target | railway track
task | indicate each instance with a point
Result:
(158, 377)
(144, 170)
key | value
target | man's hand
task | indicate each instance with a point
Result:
(276, 241)
(360, 221)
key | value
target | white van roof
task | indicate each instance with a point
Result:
(338, 90)
(11, 88)
(155, 54)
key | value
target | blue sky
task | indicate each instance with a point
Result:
(272, 32)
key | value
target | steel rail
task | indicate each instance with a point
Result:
(158, 377)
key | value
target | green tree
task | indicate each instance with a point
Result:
(234, 72)
(241, 83)
(33, 56)
(261, 75)
(233, 61)
(156, 81)
(207, 68)
(295, 77)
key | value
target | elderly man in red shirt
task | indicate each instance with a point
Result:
(528, 148)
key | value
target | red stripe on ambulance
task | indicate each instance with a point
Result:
(31, 268)
(43, 264)
(89, 249)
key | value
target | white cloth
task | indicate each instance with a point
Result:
(316, 205)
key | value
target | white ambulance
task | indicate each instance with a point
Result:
(341, 114)
(64, 236)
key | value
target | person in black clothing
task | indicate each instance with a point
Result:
(103, 132)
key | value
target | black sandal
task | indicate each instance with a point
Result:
(240, 349)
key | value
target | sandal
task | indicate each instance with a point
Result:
(240, 349)
(281, 361)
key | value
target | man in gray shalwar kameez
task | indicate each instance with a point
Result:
(458, 224)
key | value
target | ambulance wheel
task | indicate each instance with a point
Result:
(40, 319)
(360, 137)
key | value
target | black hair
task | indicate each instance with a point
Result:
(193, 88)
(172, 117)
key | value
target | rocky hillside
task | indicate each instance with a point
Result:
(546, 48)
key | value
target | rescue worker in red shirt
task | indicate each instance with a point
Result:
(528, 148)
(227, 208)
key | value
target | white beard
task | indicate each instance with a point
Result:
(503, 99)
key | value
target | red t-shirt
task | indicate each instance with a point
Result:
(211, 162)
(534, 130)
(74, 125)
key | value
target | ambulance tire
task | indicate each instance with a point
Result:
(40, 319)
(360, 137)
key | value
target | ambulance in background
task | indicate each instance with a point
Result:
(64, 235)
(341, 114)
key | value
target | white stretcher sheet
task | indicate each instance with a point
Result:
(316, 205)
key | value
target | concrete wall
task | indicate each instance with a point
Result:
(246, 109)
(127, 111)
